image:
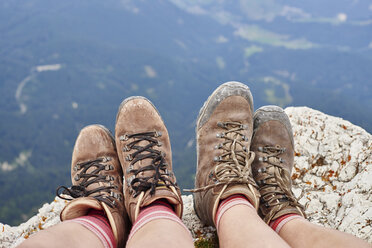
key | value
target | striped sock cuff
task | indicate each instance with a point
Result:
(157, 210)
(278, 223)
(98, 223)
(228, 203)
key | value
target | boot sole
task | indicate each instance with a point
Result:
(133, 98)
(103, 128)
(223, 91)
(271, 113)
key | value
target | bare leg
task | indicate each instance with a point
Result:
(241, 226)
(161, 233)
(65, 234)
(302, 233)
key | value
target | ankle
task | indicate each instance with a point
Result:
(229, 203)
(97, 222)
(159, 209)
(279, 223)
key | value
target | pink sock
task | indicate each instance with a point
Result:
(228, 203)
(159, 209)
(97, 222)
(278, 223)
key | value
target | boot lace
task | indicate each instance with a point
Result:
(234, 164)
(274, 183)
(138, 182)
(105, 193)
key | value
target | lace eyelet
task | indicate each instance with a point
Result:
(217, 158)
(109, 178)
(126, 149)
(242, 126)
(129, 169)
(124, 137)
(129, 157)
(221, 124)
(77, 177)
(263, 159)
(219, 146)
(158, 134)
(129, 180)
(220, 135)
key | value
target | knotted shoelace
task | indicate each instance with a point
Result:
(138, 182)
(105, 193)
(274, 183)
(234, 164)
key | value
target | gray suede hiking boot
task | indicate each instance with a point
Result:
(96, 181)
(223, 133)
(272, 142)
(144, 151)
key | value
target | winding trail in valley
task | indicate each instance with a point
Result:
(34, 72)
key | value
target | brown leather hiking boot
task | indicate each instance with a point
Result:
(144, 151)
(272, 142)
(224, 130)
(96, 181)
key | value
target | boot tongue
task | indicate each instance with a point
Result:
(79, 207)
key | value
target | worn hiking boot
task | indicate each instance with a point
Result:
(96, 181)
(144, 151)
(223, 133)
(272, 142)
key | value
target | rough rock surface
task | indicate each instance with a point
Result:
(332, 177)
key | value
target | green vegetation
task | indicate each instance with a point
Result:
(249, 51)
(257, 34)
(277, 92)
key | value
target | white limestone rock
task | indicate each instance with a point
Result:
(333, 171)
(332, 175)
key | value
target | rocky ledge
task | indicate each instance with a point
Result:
(332, 177)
